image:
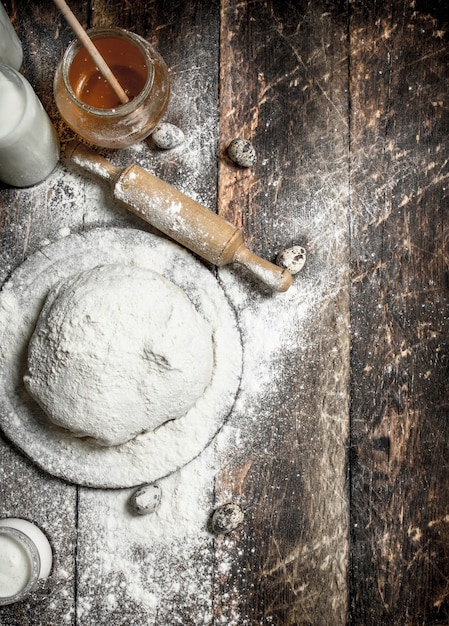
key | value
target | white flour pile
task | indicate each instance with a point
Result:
(160, 563)
(150, 567)
(67, 355)
(118, 350)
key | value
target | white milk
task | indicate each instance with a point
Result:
(11, 52)
(13, 105)
(29, 145)
(25, 556)
(15, 566)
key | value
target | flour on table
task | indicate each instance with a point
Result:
(149, 568)
(118, 350)
(206, 384)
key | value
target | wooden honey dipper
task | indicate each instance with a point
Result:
(186, 221)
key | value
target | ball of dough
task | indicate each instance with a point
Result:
(117, 351)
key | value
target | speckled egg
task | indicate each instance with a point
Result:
(226, 518)
(166, 136)
(292, 259)
(146, 499)
(242, 152)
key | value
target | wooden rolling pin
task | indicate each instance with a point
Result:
(178, 216)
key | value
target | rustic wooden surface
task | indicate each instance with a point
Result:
(399, 267)
(340, 462)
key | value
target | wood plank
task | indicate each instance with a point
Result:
(159, 569)
(399, 156)
(283, 86)
(27, 217)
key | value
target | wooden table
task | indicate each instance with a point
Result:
(337, 446)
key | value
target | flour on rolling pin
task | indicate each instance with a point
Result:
(178, 216)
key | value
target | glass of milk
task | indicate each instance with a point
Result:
(25, 557)
(11, 52)
(29, 145)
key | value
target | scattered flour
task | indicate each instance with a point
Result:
(167, 564)
(165, 568)
(64, 232)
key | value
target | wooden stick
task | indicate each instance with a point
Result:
(92, 50)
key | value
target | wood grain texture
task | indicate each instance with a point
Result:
(399, 156)
(346, 105)
(283, 87)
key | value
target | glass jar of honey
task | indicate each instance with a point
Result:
(89, 105)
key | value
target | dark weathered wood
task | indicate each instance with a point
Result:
(346, 105)
(283, 86)
(399, 471)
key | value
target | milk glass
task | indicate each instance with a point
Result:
(25, 557)
(11, 52)
(29, 145)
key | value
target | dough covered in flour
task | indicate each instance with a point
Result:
(117, 351)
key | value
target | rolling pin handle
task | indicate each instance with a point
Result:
(275, 277)
(84, 157)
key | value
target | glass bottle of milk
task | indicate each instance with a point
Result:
(29, 145)
(25, 557)
(11, 52)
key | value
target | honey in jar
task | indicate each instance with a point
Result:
(89, 105)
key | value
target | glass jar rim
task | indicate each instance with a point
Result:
(35, 564)
(95, 33)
